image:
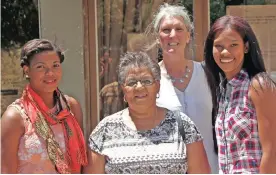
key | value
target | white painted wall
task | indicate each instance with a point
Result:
(62, 21)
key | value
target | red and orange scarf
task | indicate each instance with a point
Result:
(41, 119)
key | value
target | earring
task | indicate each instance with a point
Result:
(157, 95)
(187, 42)
(157, 42)
(125, 99)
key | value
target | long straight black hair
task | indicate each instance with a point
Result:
(253, 61)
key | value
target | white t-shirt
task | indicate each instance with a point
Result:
(195, 101)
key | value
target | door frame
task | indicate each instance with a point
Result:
(91, 72)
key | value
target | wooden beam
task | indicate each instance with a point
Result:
(90, 66)
(201, 16)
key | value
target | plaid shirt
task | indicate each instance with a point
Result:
(236, 128)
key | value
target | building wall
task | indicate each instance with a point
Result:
(62, 21)
(12, 79)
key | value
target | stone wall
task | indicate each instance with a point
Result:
(12, 80)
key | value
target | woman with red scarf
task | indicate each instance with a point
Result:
(41, 132)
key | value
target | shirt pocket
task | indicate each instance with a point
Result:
(239, 126)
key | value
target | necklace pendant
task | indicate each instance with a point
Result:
(177, 80)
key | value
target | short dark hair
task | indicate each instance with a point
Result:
(36, 46)
(137, 59)
(253, 60)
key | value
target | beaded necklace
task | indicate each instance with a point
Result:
(181, 79)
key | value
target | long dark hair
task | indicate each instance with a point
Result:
(253, 61)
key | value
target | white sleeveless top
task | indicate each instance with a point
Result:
(195, 101)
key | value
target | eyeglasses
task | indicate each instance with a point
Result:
(134, 82)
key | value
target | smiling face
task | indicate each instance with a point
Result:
(228, 52)
(173, 35)
(44, 71)
(140, 88)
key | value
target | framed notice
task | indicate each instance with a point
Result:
(262, 19)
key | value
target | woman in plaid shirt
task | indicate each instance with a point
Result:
(244, 96)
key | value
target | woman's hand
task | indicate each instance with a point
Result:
(197, 159)
(12, 128)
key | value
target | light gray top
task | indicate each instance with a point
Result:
(195, 101)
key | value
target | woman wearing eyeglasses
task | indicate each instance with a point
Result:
(144, 138)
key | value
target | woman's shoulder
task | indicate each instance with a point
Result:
(199, 74)
(111, 121)
(16, 109)
(73, 104)
(71, 100)
(13, 112)
(75, 108)
(17, 103)
(178, 114)
(262, 80)
(113, 118)
(262, 92)
(261, 87)
(116, 117)
(192, 133)
(198, 67)
(13, 117)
